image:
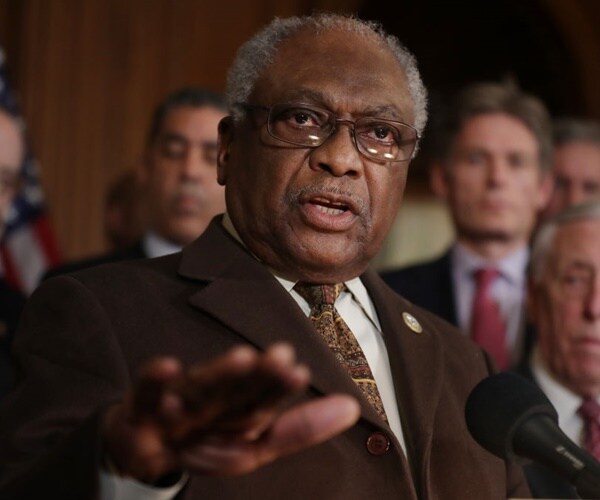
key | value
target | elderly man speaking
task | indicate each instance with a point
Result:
(266, 360)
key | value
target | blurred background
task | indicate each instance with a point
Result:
(88, 73)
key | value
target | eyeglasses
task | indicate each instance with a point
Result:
(310, 126)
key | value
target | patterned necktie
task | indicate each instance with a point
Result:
(487, 326)
(590, 412)
(339, 338)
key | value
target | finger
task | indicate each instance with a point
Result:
(280, 359)
(311, 423)
(240, 392)
(153, 380)
(299, 428)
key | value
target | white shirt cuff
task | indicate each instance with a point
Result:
(113, 487)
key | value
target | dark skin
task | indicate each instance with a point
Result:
(279, 200)
(205, 419)
(276, 194)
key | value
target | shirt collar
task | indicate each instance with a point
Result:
(564, 400)
(156, 246)
(512, 267)
(355, 285)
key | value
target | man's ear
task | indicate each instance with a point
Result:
(226, 132)
(438, 179)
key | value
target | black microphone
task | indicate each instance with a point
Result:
(510, 417)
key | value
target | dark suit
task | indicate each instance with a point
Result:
(134, 252)
(11, 304)
(105, 322)
(428, 285)
(543, 482)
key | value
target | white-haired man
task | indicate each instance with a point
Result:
(326, 114)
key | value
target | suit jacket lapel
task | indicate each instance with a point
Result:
(244, 296)
(417, 386)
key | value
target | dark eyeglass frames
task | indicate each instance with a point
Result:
(310, 126)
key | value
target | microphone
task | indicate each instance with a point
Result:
(510, 417)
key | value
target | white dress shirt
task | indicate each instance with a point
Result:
(564, 400)
(357, 310)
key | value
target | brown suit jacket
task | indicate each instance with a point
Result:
(84, 336)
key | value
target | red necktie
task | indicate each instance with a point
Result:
(590, 412)
(487, 326)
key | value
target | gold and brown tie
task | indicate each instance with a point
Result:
(339, 337)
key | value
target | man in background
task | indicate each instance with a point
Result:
(576, 164)
(492, 156)
(564, 307)
(11, 301)
(178, 177)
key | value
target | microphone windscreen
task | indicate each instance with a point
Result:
(498, 405)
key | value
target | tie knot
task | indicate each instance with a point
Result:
(485, 276)
(590, 410)
(317, 295)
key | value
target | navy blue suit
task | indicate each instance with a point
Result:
(428, 285)
(11, 303)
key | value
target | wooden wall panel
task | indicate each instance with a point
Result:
(90, 73)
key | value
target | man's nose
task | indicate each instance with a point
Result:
(338, 153)
(497, 171)
(592, 305)
(194, 164)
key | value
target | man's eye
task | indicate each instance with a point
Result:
(517, 161)
(591, 188)
(475, 158)
(301, 118)
(377, 132)
(575, 283)
(173, 149)
(383, 133)
(561, 184)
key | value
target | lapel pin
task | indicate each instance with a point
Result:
(412, 322)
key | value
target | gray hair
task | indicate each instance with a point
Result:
(486, 98)
(567, 130)
(259, 52)
(544, 237)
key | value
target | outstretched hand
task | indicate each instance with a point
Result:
(222, 418)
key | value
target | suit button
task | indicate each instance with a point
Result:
(378, 443)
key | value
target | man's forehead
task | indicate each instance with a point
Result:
(341, 70)
(573, 239)
(182, 120)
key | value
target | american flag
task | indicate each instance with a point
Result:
(28, 246)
